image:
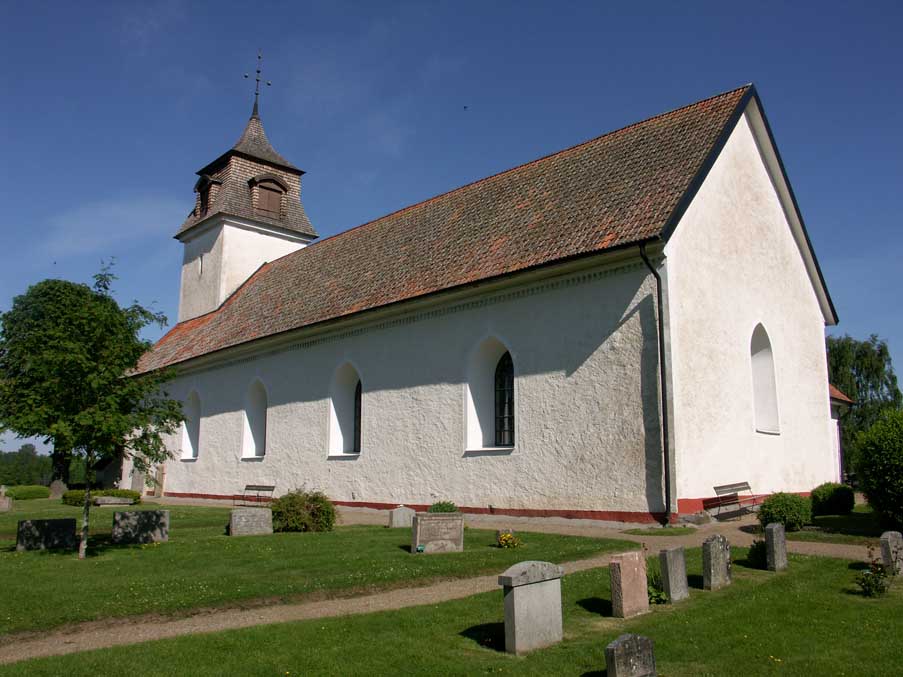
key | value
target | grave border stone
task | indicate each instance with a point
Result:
(716, 548)
(775, 547)
(401, 517)
(629, 586)
(248, 521)
(50, 534)
(892, 552)
(630, 656)
(673, 563)
(532, 597)
(446, 521)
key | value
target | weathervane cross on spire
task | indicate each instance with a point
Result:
(257, 82)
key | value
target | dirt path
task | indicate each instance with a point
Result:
(103, 634)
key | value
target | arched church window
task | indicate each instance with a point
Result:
(765, 395)
(504, 401)
(254, 440)
(489, 397)
(345, 411)
(191, 426)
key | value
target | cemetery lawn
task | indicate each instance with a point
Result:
(860, 527)
(200, 567)
(808, 621)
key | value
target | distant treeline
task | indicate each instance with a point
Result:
(25, 466)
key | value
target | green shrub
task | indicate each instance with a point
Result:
(443, 506)
(788, 509)
(76, 497)
(876, 579)
(879, 466)
(757, 557)
(832, 498)
(655, 587)
(302, 510)
(28, 491)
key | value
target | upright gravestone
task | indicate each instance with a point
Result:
(716, 563)
(630, 656)
(532, 606)
(629, 589)
(674, 573)
(892, 551)
(6, 503)
(141, 526)
(250, 522)
(437, 532)
(56, 534)
(775, 547)
(401, 517)
(57, 489)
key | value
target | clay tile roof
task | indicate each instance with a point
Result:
(837, 394)
(621, 188)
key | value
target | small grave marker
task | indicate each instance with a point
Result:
(892, 551)
(250, 522)
(629, 589)
(776, 547)
(716, 563)
(437, 532)
(674, 574)
(532, 606)
(140, 526)
(401, 517)
(57, 489)
(630, 656)
(56, 534)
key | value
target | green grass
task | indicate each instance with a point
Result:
(201, 567)
(656, 531)
(861, 527)
(803, 622)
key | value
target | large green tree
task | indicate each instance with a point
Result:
(862, 370)
(25, 466)
(66, 353)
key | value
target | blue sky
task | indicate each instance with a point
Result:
(109, 109)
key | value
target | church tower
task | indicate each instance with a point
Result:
(247, 211)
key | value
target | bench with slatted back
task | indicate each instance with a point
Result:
(728, 496)
(255, 494)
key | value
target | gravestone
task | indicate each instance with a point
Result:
(674, 573)
(6, 504)
(437, 532)
(402, 516)
(630, 656)
(141, 526)
(532, 593)
(892, 551)
(776, 547)
(629, 589)
(112, 500)
(716, 563)
(250, 522)
(57, 489)
(56, 534)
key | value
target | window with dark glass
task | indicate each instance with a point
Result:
(504, 402)
(358, 391)
(269, 200)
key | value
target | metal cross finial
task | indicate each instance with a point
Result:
(257, 81)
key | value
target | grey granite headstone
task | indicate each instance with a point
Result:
(112, 500)
(716, 562)
(6, 504)
(776, 547)
(2, 490)
(630, 656)
(56, 534)
(532, 592)
(674, 573)
(892, 551)
(141, 526)
(401, 517)
(437, 532)
(57, 489)
(629, 586)
(251, 522)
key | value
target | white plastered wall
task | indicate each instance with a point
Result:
(733, 263)
(587, 426)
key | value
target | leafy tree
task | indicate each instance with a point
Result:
(25, 466)
(66, 350)
(880, 466)
(863, 371)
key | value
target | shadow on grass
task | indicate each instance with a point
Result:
(595, 673)
(97, 545)
(858, 566)
(406, 548)
(487, 635)
(695, 581)
(754, 529)
(596, 605)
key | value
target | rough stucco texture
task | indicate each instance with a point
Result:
(733, 263)
(587, 424)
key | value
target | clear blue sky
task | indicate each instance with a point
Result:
(109, 109)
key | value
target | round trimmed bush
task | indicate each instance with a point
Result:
(879, 466)
(832, 498)
(443, 506)
(26, 492)
(301, 510)
(788, 509)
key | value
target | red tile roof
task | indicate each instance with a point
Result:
(837, 394)
(620, 188)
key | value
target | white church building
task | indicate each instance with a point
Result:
(607, 332)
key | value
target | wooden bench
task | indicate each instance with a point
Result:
(254, 494)
(728, 496)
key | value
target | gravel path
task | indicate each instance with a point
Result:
(117, 632)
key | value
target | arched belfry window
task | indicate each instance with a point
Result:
(489, 395)
(254, 440)
(191, 426)
(765, 393)
(345, 411)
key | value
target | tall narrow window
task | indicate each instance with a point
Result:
(504, 402)
(254, 441)
(191, 426)
(358, 391)
(345, 408)
(269, 200)
(765, 395)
